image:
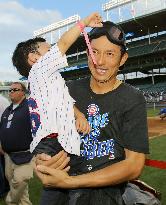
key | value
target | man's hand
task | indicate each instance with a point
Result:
(59, 161)
(51, 177)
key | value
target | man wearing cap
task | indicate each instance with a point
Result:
(116, 147)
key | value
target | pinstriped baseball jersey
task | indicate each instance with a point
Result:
(50, 105)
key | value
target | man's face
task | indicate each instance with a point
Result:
(108, 58)
(16, 93)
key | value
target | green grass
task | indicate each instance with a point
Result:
(154, 176)
(151, 112)
(35, 188)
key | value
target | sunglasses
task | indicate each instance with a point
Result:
(14, 90)
(113, 32)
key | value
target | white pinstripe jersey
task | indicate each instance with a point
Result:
(51, 106)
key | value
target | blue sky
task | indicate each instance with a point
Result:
(19, 18)
(66, 7)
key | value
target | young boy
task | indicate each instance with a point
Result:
(51, 106)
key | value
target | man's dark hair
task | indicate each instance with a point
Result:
(114, 33)
(20, 55)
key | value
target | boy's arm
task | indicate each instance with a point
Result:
(82, 124)
(69, 37)
(77, 113)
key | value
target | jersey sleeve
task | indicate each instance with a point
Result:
(135, 131)
(50, 105)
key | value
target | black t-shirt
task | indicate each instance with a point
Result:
(118, 120)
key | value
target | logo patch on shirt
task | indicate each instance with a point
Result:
(93, 110)
(92, 147)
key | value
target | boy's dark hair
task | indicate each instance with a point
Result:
(20, 55)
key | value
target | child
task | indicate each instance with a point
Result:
(51, 106)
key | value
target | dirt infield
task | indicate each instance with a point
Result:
(156, 126)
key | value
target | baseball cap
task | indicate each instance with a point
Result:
(114, 33)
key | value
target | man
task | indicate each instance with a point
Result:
(162, 113)
(15, 137)
(116, 147)
(4, 187)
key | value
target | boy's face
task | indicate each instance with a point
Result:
(42, 49)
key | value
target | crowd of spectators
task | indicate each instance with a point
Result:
(154, 96)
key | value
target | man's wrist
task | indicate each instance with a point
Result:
(80, 181)
(72, 182)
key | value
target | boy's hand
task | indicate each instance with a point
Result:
(82, 125)
(93, 20)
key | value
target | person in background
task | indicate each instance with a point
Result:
(115, 148)
(54, 122)
(4, 186)
(15, 137)
(4, 102)
(162, 113)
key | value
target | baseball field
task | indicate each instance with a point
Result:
(156, 127)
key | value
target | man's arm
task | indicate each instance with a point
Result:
(125, 170)
(128, 169)
(69, 37)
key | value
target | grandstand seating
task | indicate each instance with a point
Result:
(152, 92)
(140, 50)
(145, 40)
